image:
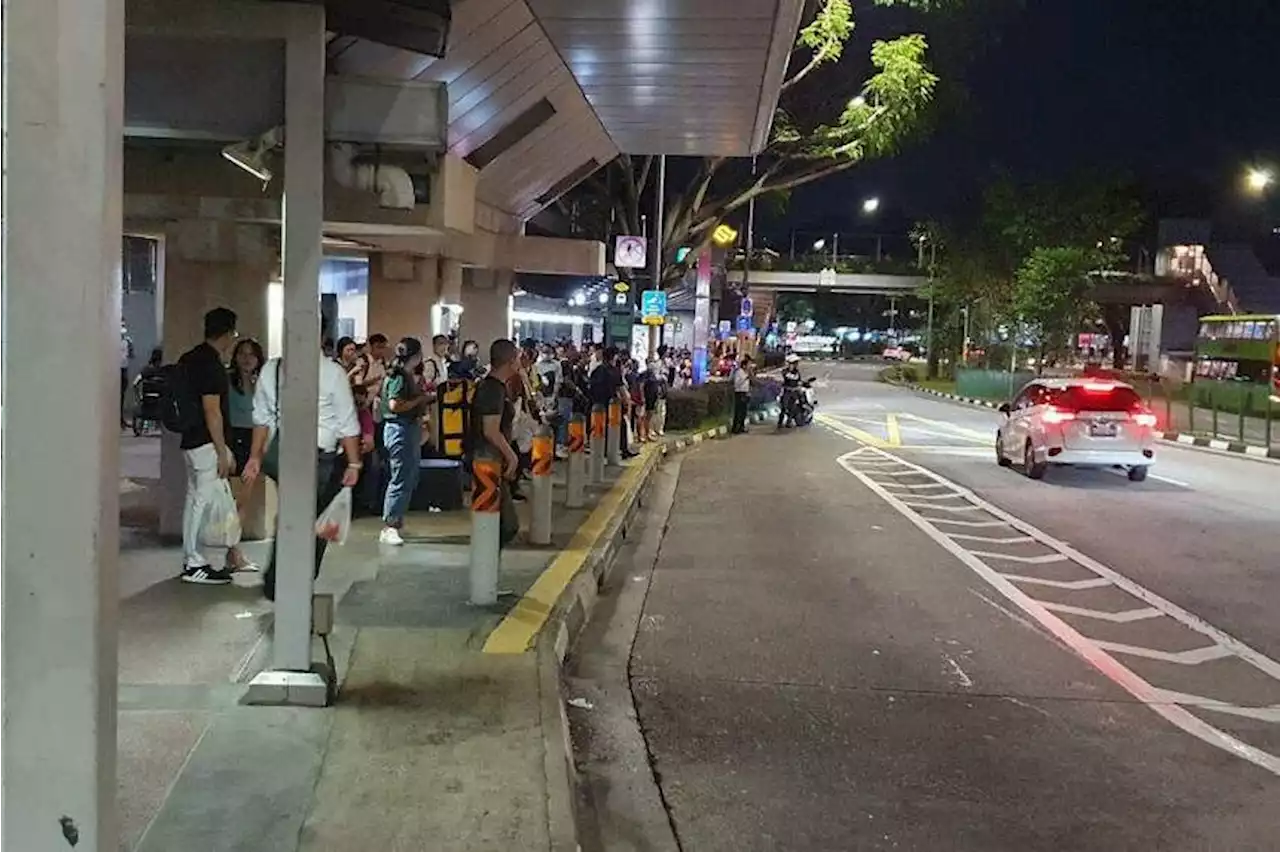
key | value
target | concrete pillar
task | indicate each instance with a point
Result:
(60, 284)
(402, 291)
(209, 264)
(292, 680)
(486, 317)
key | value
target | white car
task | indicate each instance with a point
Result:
(1087, 422)
(896, 353)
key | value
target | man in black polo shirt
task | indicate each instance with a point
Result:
(205, 451)
(492, 414)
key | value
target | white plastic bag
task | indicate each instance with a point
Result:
(221, 527)
(523, 428)
(335, 521)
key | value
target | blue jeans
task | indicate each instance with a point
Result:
(564, 410)
(403, 441)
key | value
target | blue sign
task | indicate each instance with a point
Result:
(747, 308)
(744, 324)
(653, 307)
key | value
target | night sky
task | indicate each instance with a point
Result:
(1179, 94)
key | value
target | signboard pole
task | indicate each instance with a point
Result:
(701, 317)
(659, 206)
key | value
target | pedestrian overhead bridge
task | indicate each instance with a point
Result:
(423, 134)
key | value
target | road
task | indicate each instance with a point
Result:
(866, 635)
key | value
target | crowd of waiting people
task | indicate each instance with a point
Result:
(377, 418)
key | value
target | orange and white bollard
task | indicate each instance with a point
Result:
(544, 449)
(613, 438)
(597, 444)
(575, 494)
(486, 530)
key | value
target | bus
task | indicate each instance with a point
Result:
(1236, 362)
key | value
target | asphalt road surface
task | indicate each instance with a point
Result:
(866, 635)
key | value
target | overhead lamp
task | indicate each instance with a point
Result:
(603, 298)
(871, 205)
(252, 154)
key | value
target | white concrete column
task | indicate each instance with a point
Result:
(303, 218)
(62, 109)
(486, 297)
(403, 289)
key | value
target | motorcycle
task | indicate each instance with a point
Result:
(798, 404)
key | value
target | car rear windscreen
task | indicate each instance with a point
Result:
(1111, 399)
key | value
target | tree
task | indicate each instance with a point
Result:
(1051, 295)
(794, 308)
(823, 126)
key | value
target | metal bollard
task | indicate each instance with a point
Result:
(575, 497)
(544, 449)
(613, 437)
(486, 526)
(597, 444)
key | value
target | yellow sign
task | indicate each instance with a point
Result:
(622, 286)
(654, 320)
(723, 235)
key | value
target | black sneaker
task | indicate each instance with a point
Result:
(206, 575)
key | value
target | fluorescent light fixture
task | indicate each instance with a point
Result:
(603, 298)
(555, 319)
(251, 154)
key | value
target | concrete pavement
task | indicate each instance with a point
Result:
(833, 652)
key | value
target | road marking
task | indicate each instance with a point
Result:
(1016, 539)
(948, 495)
(1070, 585)
(1194, 657)
(850, 431)
(971, 434)
(959, 523)
(1092, 651)
(1158, 478)
(914, 486)
(891, 427)
(1042, 559)
(1126, 617)
(1262, 714)
(942, 508)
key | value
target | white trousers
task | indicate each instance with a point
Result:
(658, 417)
(202, 476)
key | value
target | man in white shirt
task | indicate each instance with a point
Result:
(337, 429)
(741, 394)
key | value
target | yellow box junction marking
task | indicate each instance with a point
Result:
(516, 632)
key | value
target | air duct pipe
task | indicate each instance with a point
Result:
(391, 184)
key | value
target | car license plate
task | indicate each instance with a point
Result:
(1102, 430)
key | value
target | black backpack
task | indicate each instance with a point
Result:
(178, 407)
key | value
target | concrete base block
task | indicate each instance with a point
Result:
(296, 689)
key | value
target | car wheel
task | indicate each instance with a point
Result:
(1138, 474)
(1001, 459)
(1032, 468)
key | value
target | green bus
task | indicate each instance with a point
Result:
(1237, 361)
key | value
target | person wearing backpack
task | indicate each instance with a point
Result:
(198, 407)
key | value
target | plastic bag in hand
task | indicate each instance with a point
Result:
(335, 521)
(221, 527)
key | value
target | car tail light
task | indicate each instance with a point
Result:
(1058, 415)
(1145, 418)
(1099, 387)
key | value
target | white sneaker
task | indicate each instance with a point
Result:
(391, 536)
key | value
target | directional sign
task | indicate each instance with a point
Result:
(744, 324)
(653, 307)
(724, 328)
(747, 308)
(629, 252)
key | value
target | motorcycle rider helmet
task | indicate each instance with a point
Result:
(793, 358)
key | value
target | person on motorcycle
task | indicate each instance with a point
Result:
(792, 383)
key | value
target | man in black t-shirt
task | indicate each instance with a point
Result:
(491, 417)
(205, 452)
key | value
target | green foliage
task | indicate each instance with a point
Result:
(899, 374)
(686, 409)
(794, 308)
(1051, 295)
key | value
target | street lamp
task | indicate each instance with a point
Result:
(1259, 180)
(819, 245)
(870, 206)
